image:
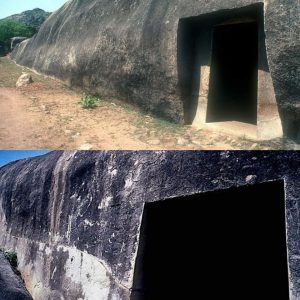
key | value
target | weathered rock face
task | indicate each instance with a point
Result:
(130, 49)
(282, 26)
(74, 217)
(16, 40)
(11, 286)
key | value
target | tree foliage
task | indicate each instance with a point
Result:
(10, 29)
(35, 17)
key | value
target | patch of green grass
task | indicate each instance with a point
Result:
(9, 72)
(158, 125)
(128, 107)
(140, 121)
(89, 102)
(165, 124)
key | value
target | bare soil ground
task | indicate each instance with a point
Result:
(47, 115)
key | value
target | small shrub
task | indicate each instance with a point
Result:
(89, 102)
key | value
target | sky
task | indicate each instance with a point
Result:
(11, 7)
(11, 155)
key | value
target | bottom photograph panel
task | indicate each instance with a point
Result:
(227, 243)
(149, 225)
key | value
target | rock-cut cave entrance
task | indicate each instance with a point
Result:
(233, 75)
(226, 244)
(223, 73)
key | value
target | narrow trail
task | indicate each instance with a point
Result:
(17, 124)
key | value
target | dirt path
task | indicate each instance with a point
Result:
(16, 127)
(47, 115)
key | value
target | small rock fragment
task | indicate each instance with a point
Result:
(85, 147)
(251, 178)
(181, 141)
(24, 79)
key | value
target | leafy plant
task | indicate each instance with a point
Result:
(10, 29)
(89, 101)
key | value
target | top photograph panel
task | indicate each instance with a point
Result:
(150, 75)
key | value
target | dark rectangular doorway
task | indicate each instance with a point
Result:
(234, 73)
(229, 244)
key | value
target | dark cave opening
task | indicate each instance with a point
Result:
(234, 74)
(228, 42)
(292, 129)
(227, 244)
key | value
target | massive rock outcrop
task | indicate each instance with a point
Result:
(74, 218)
(131, 49)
